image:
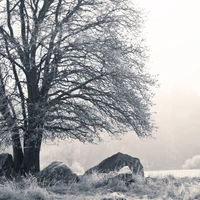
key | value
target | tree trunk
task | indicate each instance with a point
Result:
(17, 153)
(31, 161)
(33, 135)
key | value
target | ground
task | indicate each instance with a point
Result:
(96, 187)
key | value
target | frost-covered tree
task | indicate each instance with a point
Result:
(70, 69)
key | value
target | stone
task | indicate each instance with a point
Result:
(117, 162)
(56, 172)
(6, 165)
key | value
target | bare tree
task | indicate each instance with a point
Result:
(70, 69)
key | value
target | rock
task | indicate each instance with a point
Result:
(56, 172)
(117, 162)
(6, 165)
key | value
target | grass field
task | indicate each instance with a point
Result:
(97, 187)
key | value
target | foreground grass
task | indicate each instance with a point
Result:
(99, 187)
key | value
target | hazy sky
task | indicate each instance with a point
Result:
(173, 31)
(173, 36)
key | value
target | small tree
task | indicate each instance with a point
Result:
(70, 69)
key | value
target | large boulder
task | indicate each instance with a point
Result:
(117, 162)
(6, 165)
(56, 172)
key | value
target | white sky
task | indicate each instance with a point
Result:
(173, 34)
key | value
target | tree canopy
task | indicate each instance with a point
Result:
(71, 69)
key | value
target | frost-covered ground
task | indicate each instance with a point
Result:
(94, 188)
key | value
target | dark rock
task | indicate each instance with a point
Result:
(56, 172)
(116, 162)
(6, 165)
